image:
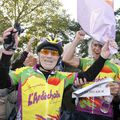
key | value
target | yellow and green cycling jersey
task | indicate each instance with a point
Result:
(40, 98)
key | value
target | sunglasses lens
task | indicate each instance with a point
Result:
(46, 52)
(54, 53)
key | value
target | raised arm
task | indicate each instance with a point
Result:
(20, 60)
(4, 71)
(6, 56)
(69, 50)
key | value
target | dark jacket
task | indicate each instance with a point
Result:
(18, 63)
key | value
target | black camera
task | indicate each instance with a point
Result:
(9, 43)
(18, 28)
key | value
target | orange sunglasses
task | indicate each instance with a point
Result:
(47, 51)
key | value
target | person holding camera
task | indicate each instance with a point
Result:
(5, 61)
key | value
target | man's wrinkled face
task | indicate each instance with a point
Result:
(48, 58)
(96, 48)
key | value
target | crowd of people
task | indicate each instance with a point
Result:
(44, 91)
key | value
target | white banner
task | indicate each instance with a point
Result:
(97, 19)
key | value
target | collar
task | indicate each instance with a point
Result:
(36, 68)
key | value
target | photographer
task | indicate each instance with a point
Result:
(7, 52)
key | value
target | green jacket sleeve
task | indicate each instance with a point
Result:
(16, 75)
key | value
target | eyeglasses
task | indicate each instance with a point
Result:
(46, 52)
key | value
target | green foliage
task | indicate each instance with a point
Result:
(38, 17)
(83, 49)
(4, 22)
(117, 14)
(118, 38)
(41, 17)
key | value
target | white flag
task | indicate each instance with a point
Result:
(97, 19)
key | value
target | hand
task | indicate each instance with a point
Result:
(114, 88)
(6, 34)
(1, 40)
(113, 44)
(31, 40)
(79, 36)
(80, 82)
(105, 52)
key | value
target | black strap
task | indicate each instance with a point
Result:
(94, 70)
